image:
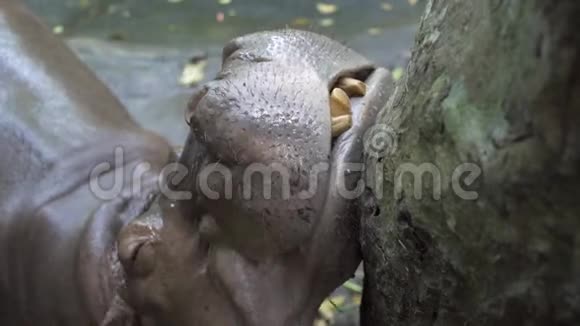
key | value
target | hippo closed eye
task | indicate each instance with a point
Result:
(245, 252)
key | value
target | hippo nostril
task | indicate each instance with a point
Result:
(137, 258)
(128, 249)
(135, 250)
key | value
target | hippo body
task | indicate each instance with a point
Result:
(56, 266)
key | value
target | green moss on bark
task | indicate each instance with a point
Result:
(492, 83)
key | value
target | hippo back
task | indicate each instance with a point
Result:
(49, 101)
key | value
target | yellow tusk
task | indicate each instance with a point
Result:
(341, 124)
(339, 103)
(353, 87)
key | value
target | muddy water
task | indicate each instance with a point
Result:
(182, 22)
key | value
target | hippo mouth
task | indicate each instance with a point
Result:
(354, 97)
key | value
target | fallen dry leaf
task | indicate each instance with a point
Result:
(193, 72)
(329, 307)
(374, 31)
(301, 21)
(84, 3)
(386, 6)
(326, 22)
(357, 299)
(320, 322)
(326, 8)
(352, 286)
(58, 29)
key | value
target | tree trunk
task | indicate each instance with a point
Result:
(491, 105)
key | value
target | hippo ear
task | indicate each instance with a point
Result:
(120, 314)
(136, 247)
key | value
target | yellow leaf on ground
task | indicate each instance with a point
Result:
(301, 21)
(326, 22)
(193, 73)
(354, 287)
(413, 2)
(357, 299)
(84, 3)
(326, 8)
(337, 300)
(224, 2)
(386, 6)
(320, 322)
(374, 31)
(58, 29)
(326, 310)
(329, 307)
(174, 1)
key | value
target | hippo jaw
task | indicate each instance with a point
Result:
(175, 276)
(165, 263)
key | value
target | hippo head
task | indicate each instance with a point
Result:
(271, 226)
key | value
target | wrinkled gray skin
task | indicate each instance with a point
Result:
(258, 261)
(67, 258)
(57, 121)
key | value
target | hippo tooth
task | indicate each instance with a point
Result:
(339, 103)
(353, 87)
(341, 124)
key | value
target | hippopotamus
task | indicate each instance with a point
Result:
(210, 246)
(269, 258)
(58, 122)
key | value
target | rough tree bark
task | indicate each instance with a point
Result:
(495, 83)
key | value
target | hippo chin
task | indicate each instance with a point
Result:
(236, 256)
